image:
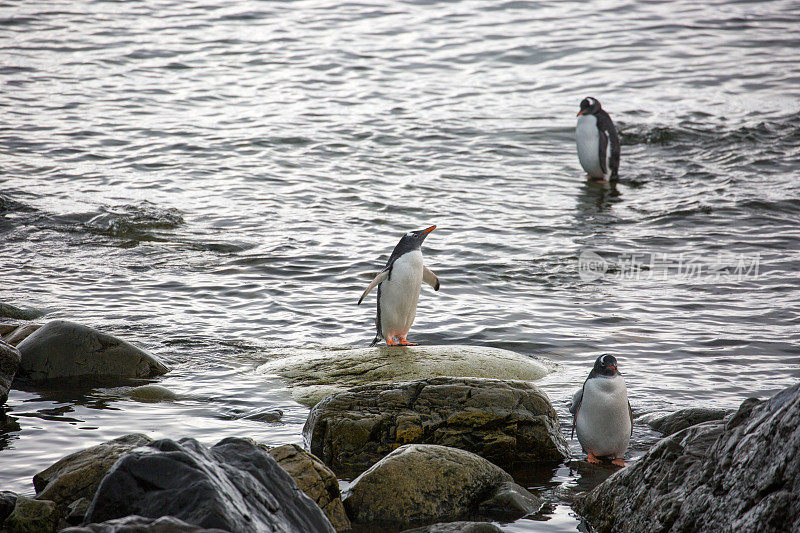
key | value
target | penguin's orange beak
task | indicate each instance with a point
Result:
(580, 112)
(613, 367)
(428, 230)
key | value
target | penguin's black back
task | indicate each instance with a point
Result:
(608, 134)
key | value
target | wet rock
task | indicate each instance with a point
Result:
(140, 524)
(17, 334)
(32, 516)
(7, 502)
(457, 527)
(315, 374)
(233, 485)
(509, 502)
(739, 475)
(260, 414)
(315, 479)
(679, 420)
(12, 311)
(507, 422)
(420, 484)
(79, 474)
(64, 349)
(76, 511)
(9, 363)
(151, 394)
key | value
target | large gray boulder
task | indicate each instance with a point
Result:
(140, 524)
(62, 349)
(234, 485)
(79, 474)
(507, 422)
(739, 475)
(421, 484)
(315, 479)
(9, 363)
(679, 420)
(314, 374)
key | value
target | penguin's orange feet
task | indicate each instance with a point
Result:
(404, 342)
(391, 342)
(590, 458)
(619, 462)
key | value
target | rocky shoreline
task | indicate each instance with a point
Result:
(427, 454)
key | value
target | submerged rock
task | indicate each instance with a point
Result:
(140, 524)
(62, 349)
(315, 479)
(420, 484)
(9, 363)
(234, 485)
(12, 311)
(32, 516)
(739, 475)
(78, 475)
(457, 527)
(151, 394)
(315, 374)
(679, 420)
(506, 422)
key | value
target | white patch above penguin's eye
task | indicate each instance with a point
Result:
(603, 360)
(410, 234)
(591, 101)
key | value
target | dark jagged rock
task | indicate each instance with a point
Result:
(9, 363)
(506, 422)
(739, 475)
(680, 420)
(32, 516)
(79, 474)
(315, 479)
(62, 349)
(7, 502)
(233, 485)
(457, 527)
(421, 484)
(140, 524)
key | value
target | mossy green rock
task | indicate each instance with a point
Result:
(421, 484)
(32, 516)
(9, 363)
(62, 349)
(315, 374)
(507, 422)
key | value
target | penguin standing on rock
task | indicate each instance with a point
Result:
(602, 413)
(398, 289)
(598, 142)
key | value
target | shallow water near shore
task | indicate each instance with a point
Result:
(218, 182)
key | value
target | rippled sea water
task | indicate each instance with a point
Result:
(214, 180)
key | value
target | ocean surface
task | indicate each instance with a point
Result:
(215, 181)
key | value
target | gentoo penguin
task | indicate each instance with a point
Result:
(598, 142)
(398, 289)
(602, 413)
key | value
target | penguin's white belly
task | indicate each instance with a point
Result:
(588, 139)
(604, 423)
(399, 295)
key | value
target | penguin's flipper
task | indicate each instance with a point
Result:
(575, 407)
(630, 413)
(605, 149)
(379, 278)
(430, 278)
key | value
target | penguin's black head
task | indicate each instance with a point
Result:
(411, 241)
(605, 365)
(589, 106)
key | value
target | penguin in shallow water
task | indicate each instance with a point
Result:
(598, 142)
(398, 289)
(602, 413)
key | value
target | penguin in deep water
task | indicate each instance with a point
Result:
(399, 284)
(598, 142)
(602, 413)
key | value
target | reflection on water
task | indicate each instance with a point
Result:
(216, 181)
